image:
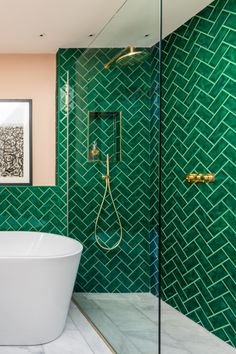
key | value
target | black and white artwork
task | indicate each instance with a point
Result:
(15, 142)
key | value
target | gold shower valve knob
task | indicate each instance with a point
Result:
(200, 177)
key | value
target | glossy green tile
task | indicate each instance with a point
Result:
(201, 218)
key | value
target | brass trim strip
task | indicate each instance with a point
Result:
(94, 327)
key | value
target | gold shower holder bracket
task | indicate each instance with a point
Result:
(200, 177)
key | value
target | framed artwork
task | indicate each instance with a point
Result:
(15, 142)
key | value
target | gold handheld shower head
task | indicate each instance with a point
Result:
(124, 57)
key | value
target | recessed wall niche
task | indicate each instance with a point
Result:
(104, 136)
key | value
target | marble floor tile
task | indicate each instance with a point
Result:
(122, 313)
(133, 319)
(85, 301)
(79, 337)
(145, 340)
(91, 336)
(110, 330)
(38, 349)
(181, 335)
(70, 325)
(71, 342)
(137, 334)
(124, 326)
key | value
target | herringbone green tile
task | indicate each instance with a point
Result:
(199, 221)
(33, 209)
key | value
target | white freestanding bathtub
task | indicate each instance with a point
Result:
(37, 275)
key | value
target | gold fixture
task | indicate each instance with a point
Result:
(123, 55)
(132, 51)
(200, 177)
(95, 137)
(94, 151)
(107, 191)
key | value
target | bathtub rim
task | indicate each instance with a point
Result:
(78, 244)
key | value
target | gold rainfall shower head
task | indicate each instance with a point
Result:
(126, 55)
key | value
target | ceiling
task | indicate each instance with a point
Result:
(174, 16)
(69, 24)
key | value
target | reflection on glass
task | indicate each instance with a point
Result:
(119, 75)
(118, 290)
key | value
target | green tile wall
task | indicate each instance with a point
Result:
(199, 135)
(126, 89)
(39, 208)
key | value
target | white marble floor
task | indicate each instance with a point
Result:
(129, 323)
(180, 335)
(79, 337)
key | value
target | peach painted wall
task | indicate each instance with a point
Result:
(33, 76)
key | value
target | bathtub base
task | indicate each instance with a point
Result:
(35, 296)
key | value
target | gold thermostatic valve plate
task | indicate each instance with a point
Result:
(200, 177)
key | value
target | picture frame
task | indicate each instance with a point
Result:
(15, 142)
